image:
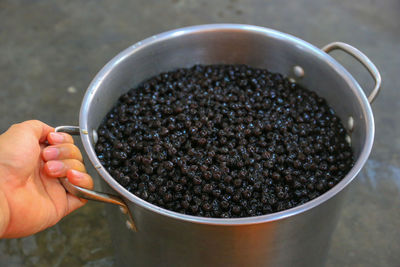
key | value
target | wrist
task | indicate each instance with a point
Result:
(4, 208)
(4, 213)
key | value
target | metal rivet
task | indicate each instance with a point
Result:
(84, 131)
(95, 136)
(348, 139)
(124, 210)
(298, 71)
(350, 123)
(129, 225)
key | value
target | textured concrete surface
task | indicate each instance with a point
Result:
(50, 51)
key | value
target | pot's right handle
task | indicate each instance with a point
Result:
(90, 194)
(363, 59)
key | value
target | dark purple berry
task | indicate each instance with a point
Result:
(223, 141)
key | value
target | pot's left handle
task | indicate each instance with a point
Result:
(90, 194)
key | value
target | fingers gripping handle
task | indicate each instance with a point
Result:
(90, 194)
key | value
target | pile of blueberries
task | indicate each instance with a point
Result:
(224, 141)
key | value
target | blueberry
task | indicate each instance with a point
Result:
(223, 141)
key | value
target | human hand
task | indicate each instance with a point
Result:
(31, 197)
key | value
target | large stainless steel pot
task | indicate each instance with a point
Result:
(296, 237)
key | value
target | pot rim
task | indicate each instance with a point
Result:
(353, 84)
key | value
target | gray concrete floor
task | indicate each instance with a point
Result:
(50, 51)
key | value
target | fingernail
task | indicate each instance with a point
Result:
(55, 166)
(50, 153)
(76, 174)
(57, 137)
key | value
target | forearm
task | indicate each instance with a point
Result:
(4, 213)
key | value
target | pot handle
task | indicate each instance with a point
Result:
(363, 59)
(90, 194)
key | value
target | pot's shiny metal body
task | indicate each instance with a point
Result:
(296, 237)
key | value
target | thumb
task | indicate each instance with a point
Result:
(34, 128)
(38, 128)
